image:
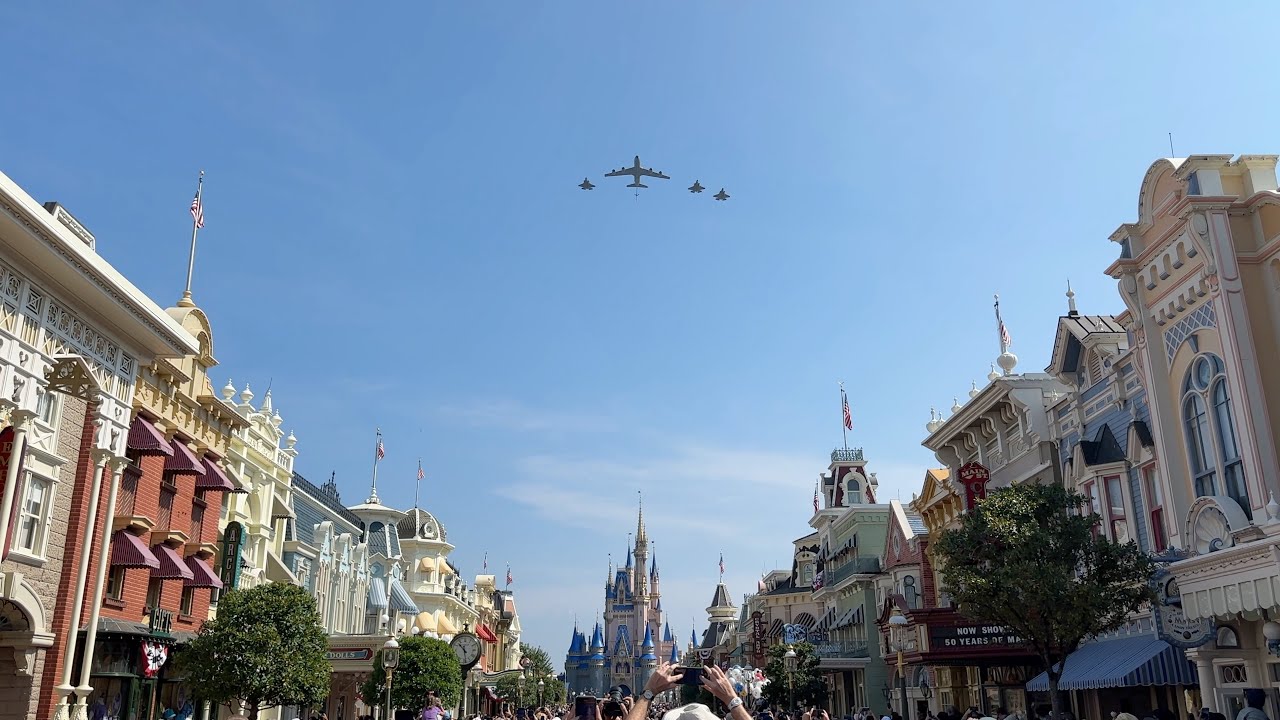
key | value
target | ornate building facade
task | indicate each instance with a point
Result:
(69, 360)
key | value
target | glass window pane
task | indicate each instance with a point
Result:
(1115, 497)
(1226, 426)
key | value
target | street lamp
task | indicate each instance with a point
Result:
(541, 685)
(475, 686)
(520, 690)
(789, 662)
(390, 659)
(897, 624)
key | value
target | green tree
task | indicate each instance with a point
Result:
(425, 664)
(265, 648)
(1028, 557)
(539, 668)
(810, 684)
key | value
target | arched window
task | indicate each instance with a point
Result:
(1202, 465)
(910, 593)
(1214, 454)
(1228, 448)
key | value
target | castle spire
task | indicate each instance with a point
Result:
(641, 536)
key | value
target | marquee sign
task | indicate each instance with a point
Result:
(757, 638)
(971, 636)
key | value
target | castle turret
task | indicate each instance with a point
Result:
(648, 660)
(675, 655)
(596, 681)
(642, 554)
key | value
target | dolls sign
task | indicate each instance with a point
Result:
(974, 477)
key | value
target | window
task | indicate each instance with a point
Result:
(910, 593)
(188, 600)
(47, 407)
(1227, 638)
(155, 592)
(115, 583)
(1215, 453)
(32, 523)
(1115, 509)
(1228, 449)
(1155, 501)
(1090, 490)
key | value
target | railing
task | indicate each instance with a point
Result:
(856, 566)
(841, 649)
(846, 455)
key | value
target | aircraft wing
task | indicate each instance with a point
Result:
(619, 172)
(649, 172)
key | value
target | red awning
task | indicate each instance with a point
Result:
(214, 479)
(184, 461)
(485, 633)
(204, 575)
(128, 550)
(171, 564)
(145, 438)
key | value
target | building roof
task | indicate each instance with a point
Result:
(716, 635)
(721, 598)
(326, 496)
(1102, 451)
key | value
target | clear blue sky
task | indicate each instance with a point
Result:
(394, 236)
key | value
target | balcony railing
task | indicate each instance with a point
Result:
(862, 565)
(846, 455)
(841, 649)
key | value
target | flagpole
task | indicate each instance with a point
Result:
(373, 489)
(1004, 347)
(417, 483)
(844, 430)
(195, 228)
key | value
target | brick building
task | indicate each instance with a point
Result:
(73, 333)
(165, 531)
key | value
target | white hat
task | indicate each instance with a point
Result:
(692, 711)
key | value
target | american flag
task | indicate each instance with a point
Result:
(721, 563)
(848, 416)
(509, 578)
(421, 474)
(1004, 331)
(197, 210)
(486, 561)
(815, 498)
(379, 452)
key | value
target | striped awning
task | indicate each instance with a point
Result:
(128, 550)
(377, 594)
(184, 460)
(775, 629)
(214, 479)
(1136, 661)
(425, 622)
(172, 566)
(825, 622)
(146, 439)
(399, 600)
(204, 576)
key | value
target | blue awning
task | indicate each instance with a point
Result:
(1122, 662)
(400, 600)
(377, 594)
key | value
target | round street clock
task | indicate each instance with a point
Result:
(467, 647)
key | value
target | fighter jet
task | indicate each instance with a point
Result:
(722, 195)
(586, 184)
(637, 172)
(696, 187)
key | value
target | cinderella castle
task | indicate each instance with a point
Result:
(627, 648)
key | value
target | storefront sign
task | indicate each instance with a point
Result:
(154, 656)
(1172, 624)
(974, 476)
(229, 568)
(971, 636)
(792, 634)
(349, 654)
(757, 639)
(161, 622)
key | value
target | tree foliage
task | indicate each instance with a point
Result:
(539, 667)
(425, 664)
(265, 648)
(810, 684)
(1027, 557)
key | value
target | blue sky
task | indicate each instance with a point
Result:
(394, 236)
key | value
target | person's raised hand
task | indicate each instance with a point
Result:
(664, 677)
(719, 684)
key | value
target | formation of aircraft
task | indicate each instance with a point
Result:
(637, 171)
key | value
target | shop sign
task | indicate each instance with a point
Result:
(971, 636)
(154, 656)
(348, 654)
(161, 622)
(757, 638)
(974, 476)
(229, 569)
(792, 634)
(1172, 624)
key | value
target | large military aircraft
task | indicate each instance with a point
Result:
(637, 172)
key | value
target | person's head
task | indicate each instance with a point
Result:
(692, 711)
(1255, 697)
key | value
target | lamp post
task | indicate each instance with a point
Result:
(390, 659)
(789, 662)
(541, 685)
(897, 624)
(520, 690)
(475, 687)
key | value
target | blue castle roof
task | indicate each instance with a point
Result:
(597, 640)
(647, 645)
(666, 634)
(675, 656)
(693, 637)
